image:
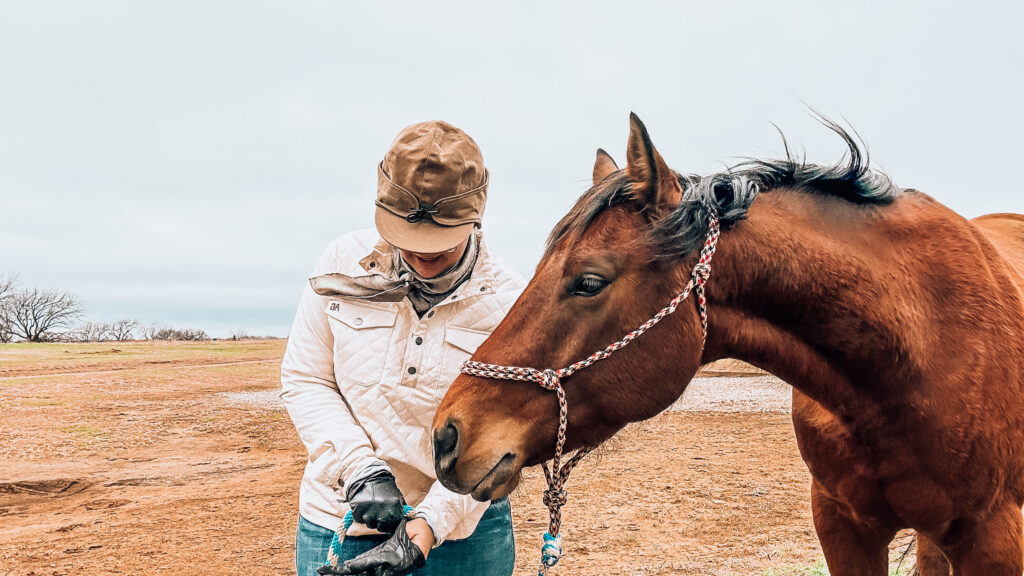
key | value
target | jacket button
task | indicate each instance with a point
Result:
(412, 370)
(358, 321)
(373, 264)
(483, 288)
(419, 340)
(430, 314)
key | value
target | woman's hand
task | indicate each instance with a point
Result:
(401, 554)
(421, 535)
(376, 501)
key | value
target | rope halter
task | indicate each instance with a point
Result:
(556, 476)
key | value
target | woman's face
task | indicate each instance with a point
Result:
(433, 265)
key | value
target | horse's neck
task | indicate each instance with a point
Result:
(847, 302)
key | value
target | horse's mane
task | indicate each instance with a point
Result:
(729, 194)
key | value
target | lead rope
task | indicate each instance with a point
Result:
(334, 549)
(555, 496)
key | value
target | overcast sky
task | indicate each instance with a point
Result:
(186, 162)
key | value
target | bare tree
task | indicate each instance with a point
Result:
(120, 331)
(7, 286)
(191, 334)
(91, 332)
(162, 332)
(151, 331)
(36, 315)
(123, 329)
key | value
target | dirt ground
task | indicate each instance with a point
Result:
(146, 458)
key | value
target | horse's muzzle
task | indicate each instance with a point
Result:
(480, 477)
(446, 451)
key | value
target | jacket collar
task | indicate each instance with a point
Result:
(380, 260)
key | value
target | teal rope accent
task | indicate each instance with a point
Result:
(550, 553)
(334, 552)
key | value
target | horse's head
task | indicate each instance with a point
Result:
(599, 279)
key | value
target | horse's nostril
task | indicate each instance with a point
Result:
(446, 442)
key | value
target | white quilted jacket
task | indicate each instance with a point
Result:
(362, 380)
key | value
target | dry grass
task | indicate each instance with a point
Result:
(25, 359)
(101, 452)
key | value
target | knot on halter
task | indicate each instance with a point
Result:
(702, 271)
(548, 379)
(555, 497)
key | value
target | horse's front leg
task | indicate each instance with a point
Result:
(930, 559)
(851, 548)
(995, 547)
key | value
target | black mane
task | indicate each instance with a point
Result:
(728, 194)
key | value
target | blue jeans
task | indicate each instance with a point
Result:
(489, 551)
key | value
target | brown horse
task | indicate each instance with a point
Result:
(899, 324)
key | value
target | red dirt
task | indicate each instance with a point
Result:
(144, 469)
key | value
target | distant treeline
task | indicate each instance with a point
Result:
(34, 315)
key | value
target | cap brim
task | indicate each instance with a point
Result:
(425, 236)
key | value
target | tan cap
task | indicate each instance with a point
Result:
(431, 188)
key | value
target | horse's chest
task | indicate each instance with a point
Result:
(844, 467)
(882, 483)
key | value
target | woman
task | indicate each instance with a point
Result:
(387, 319)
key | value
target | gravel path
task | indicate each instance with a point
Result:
(263, 400)
(761, 393)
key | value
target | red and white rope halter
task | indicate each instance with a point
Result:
(556, 476)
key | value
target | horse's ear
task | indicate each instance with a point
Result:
(654, 184)
(603, 166)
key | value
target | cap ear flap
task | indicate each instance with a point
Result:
(654, 184)
(604, 165)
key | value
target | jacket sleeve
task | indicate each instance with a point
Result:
(338, 447)
(444, 510)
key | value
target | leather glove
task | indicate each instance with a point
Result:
(397, 556)
(376, 501)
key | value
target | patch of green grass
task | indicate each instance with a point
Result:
(820, 569)
(86, 434)
(817, 569)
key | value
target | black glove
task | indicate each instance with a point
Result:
(376, 501)
(397, 556)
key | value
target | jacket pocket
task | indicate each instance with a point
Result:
(459, 345)
(362, 339)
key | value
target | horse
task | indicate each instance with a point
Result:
(898, 323)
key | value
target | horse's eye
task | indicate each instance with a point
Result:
(588, 285)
